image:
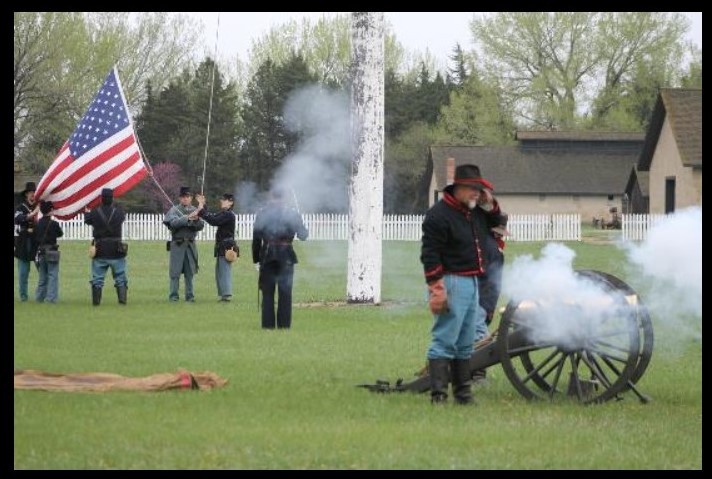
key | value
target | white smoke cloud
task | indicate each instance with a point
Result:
(669, 264)
(318, 172)
(558, 305)
(564, 307)
(246, 197)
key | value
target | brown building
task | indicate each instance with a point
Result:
(672, 154)
(549, 171)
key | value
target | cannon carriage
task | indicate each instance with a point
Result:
(592, 348)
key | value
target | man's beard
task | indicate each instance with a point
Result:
(471, 204)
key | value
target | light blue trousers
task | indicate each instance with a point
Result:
(118, 271)
(454, 331)
(223, 277)
(48, 284)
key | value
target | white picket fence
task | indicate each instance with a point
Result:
(635, 227)
(540, 227)
(544, 227)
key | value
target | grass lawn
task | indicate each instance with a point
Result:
(291, 400)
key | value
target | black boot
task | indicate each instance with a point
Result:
(439, 370)
(462, 381)
(121, 293)
(96, 295)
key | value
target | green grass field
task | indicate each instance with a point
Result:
(291, 400)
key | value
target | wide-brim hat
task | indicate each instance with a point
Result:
(468, 175)
(486, 184)
(185, 191)
(29, 186)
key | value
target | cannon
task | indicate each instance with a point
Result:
(592, 348)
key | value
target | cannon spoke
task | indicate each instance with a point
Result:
(596, 369)
(535, 370)
(575, 376)
(555, 382)
(615, 347)
(604, 354)
(529, 347)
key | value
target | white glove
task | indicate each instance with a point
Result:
(257, 267)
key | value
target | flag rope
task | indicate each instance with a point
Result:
(210, 108)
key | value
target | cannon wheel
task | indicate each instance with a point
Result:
(642, 316)
(599, 367)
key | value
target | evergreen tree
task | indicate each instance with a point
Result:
(458, 74)
(173, 127)
(266, 141)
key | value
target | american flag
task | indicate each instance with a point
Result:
(101, 153)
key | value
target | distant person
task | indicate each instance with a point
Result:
(274, 230)
(25, 248)
(183, 250)
(453, 230)
(224, 241)
(47, 231)
(107, 222)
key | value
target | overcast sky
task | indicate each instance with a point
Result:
(418, 31)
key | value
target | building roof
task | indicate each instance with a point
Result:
(579, 135)
(683, 108)
(518, 170)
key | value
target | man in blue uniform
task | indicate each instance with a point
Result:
(25, 245)
(451, 254)
(224, 240)
(107, 223)
(275, 228)
(183, 250)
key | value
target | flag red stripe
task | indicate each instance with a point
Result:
(118, 191)
(134, 175)
(97, 182)
(54, 170)
(90, 166)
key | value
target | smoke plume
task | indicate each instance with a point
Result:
(559, 305)
(318, 172)
(669, 265)
(665, 270)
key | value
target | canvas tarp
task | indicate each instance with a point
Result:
(100, 382)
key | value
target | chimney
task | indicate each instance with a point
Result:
(450, 171)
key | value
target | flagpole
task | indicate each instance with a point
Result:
(210, 108)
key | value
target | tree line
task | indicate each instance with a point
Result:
(545, 71)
